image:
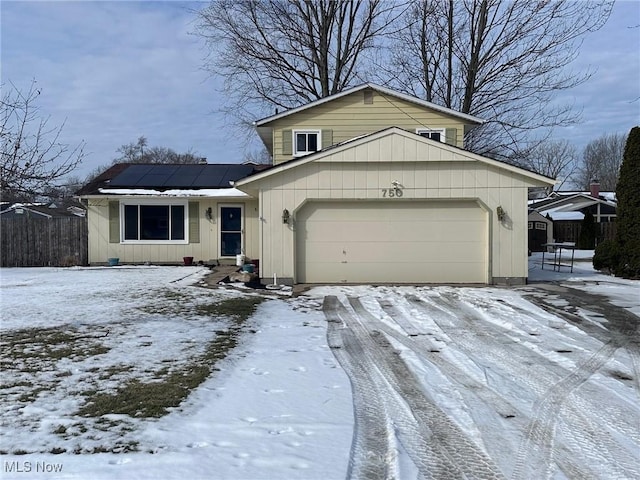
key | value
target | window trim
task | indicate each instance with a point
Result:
(294, 143)
(155, 202)
(441, 131)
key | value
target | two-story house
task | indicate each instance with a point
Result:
(367, 186)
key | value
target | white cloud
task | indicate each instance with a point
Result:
(115, 71)
(610, 99)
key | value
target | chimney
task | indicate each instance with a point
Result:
(595, 188)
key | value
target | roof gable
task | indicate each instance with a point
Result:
(426, 150)
(465, 118)
(568, 202)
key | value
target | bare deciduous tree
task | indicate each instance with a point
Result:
(33, 158)
(555, 159)
(282, 53)
(140, 152)
(501, 60)
(258, 157)
(601, 160)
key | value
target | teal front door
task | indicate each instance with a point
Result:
(231, 228)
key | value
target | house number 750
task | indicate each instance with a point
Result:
(391, 192)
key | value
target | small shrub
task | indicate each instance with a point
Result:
(607, 256)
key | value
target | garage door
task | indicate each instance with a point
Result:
(391, 242)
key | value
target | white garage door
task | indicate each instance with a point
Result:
(391, 242)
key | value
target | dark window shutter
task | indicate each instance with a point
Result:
(194, 222)
(451, 136)
(114, 222)
(287, 143)
(327, 138)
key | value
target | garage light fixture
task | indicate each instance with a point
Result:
(501, 213)
(285, 216)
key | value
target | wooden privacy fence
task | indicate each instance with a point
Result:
(570, 231)
(44, 242)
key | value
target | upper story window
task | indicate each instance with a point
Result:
(154, 222)
(437, 134)
(306, 142)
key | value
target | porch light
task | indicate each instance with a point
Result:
(285, 216)
(208, 213)
(501, 213)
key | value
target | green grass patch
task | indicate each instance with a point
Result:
(37, 349)
(171, 386)
(238, 309)
(113, 370)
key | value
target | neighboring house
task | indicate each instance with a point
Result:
(367, 186)
(40, 210)
(567, 210)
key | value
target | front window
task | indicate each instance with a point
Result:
(436, 134)
(306, 141)
(154, 222)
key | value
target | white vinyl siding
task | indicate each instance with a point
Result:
(349, 117)
(426, 170)
(203, 234)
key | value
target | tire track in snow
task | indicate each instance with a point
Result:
(437, 446)
(394, 312)
(465, 326)
(594, 442)
(371, 383)
(536, 449)
(516, 418)
(423, 348)
(372, 455)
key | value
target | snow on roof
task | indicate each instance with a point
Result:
(609, 196)
(565, 215)
(204, 192)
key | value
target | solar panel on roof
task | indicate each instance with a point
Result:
(165, 176)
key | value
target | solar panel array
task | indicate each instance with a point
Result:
(165, 177)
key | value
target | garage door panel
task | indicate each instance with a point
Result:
(395, 252)
(391, 242)
(378, 272)
(391, 231)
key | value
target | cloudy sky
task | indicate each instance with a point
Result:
(114, 71)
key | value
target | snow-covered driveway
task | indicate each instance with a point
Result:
(528, 383)
(444, 382)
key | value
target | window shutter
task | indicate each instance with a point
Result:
(114, 222)
(451, 136)
(287, 148)
(194, 222)
(327, 138)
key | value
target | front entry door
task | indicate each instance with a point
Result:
(230, 230)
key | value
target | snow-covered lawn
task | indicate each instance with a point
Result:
(524, 380)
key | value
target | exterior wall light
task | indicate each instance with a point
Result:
(501, 213)
(285, 216)
(208, 213)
